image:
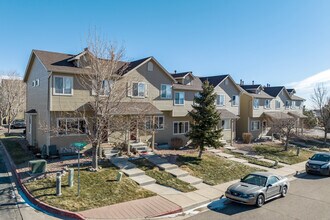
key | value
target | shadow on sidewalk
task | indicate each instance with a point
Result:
(227, 207)
(309, 176)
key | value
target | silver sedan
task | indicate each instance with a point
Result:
(257, 188)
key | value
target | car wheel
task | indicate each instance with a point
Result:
(284, 191)
(260, 200)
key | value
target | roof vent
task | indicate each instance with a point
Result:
(241, 82)
(252, 82)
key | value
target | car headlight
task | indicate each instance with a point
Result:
(307, 164)
(246, 196)
(325, 166)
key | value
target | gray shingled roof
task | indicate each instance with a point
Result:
(180, 75)
(135, 108)
(225, 114)
(273, 90)
(297, 98)
(277, 115)
(297, 114)
(214, 80)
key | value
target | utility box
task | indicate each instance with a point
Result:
(38, 166)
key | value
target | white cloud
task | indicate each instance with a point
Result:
(305, 87)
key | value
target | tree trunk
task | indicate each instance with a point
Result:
(286, 144)
(9, 125)
(200, 152)
(325, 136)
(94, 156)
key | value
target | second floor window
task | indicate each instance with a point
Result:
(255, 103)
(220, 100)
(235, 100)
(63, 85)
(277, 104)
(180, 127)
(179, 98)
(293, 104)
(267, 104)
(139, 89)
(105, 88)
(166, 91)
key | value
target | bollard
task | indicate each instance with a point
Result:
(119, 176)
(71, 176)
(58, 184)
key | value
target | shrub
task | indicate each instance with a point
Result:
(176, 143)
(247, 138)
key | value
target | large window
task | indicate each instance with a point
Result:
(235, 100)
(225, 124)
(293, 104)
(166, 91)
(71, 126)
(287, 104)
(63, 85)
(180, 127)
(139, 89)
(267, 104)
(255, 103)
(277, 104)
(105, 87)
(220, 100)
(255, 125)
(179, 98)
(159, 122)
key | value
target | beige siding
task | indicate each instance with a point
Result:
(37, 98)
(245, 113)
(229, 91)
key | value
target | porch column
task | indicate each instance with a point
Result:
(297, 123)
(137, 131)
(128, 129)
(302, 126)
(231, 131)
(153, 134)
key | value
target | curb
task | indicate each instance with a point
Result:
(36, 202)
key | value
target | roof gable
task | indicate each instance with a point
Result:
(214, 80)
(275, 90)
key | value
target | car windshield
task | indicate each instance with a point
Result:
(321, 157)
(255, 180)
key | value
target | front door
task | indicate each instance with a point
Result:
(264, 127)
(273, 187)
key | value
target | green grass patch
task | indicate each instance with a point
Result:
(279, 154)
(254, 160)
(17, 153)
(97, 189)
(162, 177)
(212, 169)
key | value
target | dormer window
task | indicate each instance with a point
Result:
(150, 66)
(267, 104)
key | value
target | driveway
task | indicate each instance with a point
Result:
(308, 198)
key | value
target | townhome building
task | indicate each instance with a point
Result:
(261, 106)
(227, 103)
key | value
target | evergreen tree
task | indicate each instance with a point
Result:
(204, 131)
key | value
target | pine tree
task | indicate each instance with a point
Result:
(204, 131)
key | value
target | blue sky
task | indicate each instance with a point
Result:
(281, 42)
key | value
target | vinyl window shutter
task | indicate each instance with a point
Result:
(129, 89)
(146, 90)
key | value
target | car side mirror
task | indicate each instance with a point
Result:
(269, 185)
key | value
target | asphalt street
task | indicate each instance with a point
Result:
(308, 198)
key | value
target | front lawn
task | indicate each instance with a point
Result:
(17, 153)
(163, 177)
(212, 169)
(97, 189)
(274, 152)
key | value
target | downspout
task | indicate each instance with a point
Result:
(49, 99)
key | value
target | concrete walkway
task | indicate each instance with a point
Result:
(173, 169)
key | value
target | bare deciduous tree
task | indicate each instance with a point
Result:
(321, 102)
(12, 97)
(285, 127)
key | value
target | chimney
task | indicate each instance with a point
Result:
(174, 71)
(241, 82)
(252, 82)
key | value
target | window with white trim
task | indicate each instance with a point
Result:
(159, 122)
(166, 91)
(71, 126)
(255, 103)
(235, 100)
(33, 83)
(277, 104)
(225, 124)
(180, 127)
(293, 104)
(255, 125)
(267, 104)
(139, 89)
(63, 85)
(37, 82)
(220, 100)
(179, 98)
(287, 104)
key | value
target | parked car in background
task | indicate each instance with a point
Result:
(257, 188)
(18, 123)
(319, 163)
